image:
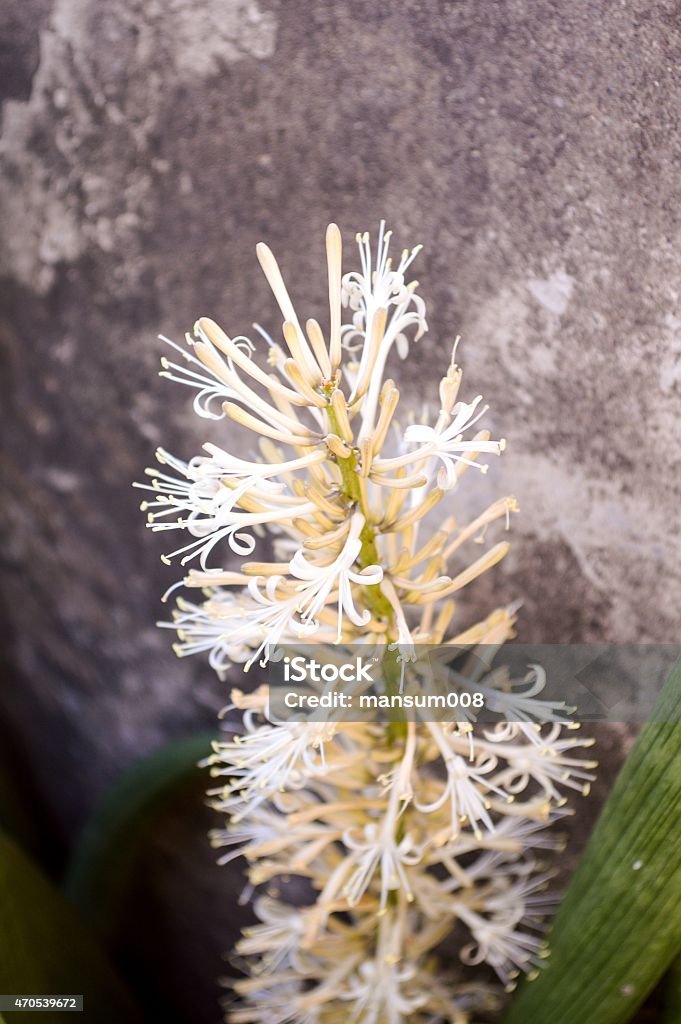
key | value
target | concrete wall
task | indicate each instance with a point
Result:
(532, 147)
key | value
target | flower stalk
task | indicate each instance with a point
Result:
(400, 831)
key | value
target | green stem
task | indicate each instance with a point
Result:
(392, 673)
(378, 604)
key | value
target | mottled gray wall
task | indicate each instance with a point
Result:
(533, 147)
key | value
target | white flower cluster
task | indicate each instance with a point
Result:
(398, 835)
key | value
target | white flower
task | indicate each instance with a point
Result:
(384, 308)
(500, 944)
(267, 760)
(404, 645)
(380, 993)
(237, 629)
(209, 385)
(463, 789)
(320, 580)
(264, 829)
(209, 493)
(275, 1001)
(276, 938)
(378, 850)
(503, 696)
(215, 628)
(549, 766)
(447, 445)
(276, 618)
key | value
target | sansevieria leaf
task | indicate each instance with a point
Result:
(670, 995)
(105, 859)
(46, 949)
(619, 927)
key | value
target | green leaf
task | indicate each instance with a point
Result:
(104, 863)
(14, 816)
(619, 927)
(20, 812)
(45, 949)
(670, 995)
